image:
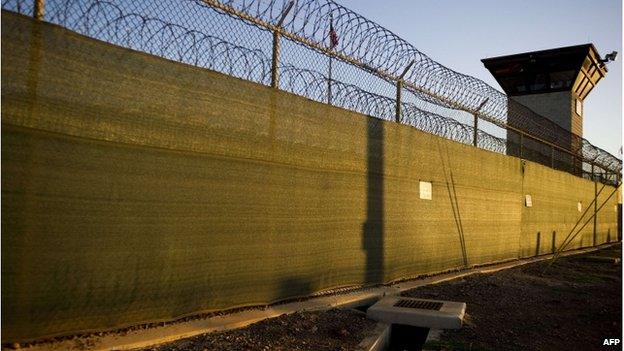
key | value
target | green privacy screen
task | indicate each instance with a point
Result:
(136, 189)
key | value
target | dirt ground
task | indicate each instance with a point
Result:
(334, 330)
(574, 305)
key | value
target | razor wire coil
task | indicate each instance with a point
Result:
(235, 37)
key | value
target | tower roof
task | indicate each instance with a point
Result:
(573, 68)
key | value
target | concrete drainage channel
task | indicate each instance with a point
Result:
(406, 324)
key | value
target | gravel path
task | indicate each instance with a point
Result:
(574, 305)
(335, 330)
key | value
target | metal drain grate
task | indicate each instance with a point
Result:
(418, 304)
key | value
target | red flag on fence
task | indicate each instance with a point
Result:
(333, 37)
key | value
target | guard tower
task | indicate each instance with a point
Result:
(553, 83)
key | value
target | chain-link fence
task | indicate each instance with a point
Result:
(328, 53)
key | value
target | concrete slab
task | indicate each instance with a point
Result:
(379, 340)
(433, 336)
(418, 312)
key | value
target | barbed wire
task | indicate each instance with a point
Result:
(378, 48)
(313, 85)
(179, 31)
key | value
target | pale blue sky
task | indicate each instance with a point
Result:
(459, 34)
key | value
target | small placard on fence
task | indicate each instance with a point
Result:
(528, 202)
(425, 190)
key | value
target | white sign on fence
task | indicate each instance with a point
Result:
(425, 190)
(528, 202)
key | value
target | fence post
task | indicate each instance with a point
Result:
(329, 81)
(276, 47)
(553, 247)
(595, 202)
(39, 9)
(399, 87)
(476, 121)
(521, 137)
(275, 58)
(397, 114)
(476, 127)
(592, 172)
